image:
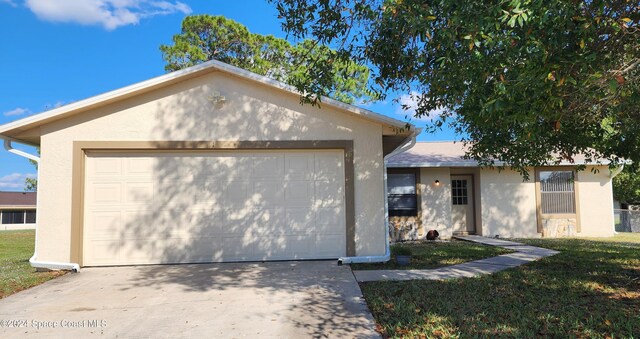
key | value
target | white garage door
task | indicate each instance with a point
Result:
(175, 207)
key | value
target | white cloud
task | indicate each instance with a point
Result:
(110, 14)
(9, 2)
(410, 101)
(16, 111)
(14, 181)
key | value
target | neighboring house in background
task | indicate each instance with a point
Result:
(432, 186)
(17, 210)
(211, 163)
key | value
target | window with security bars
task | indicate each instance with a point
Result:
(557, 192)
(459, 192)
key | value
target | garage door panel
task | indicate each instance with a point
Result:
(139, 167)
(299, 167)
(229, 166)
(138, 192)
(141, 250)
(329, 216)
(106, 193)
(329, 193)
(100, 252)
(166, 207)
(210, 192)
(237, 194)
(204, 249)
(105, 223)
(237, 248)
(267, 222)
(299, 220)
(328, 167)
(140, 220)
(299, 193)
(329, 244)
(209, 223)
(268, 166)
(301, 247)
(274, 248)
(102, 167)
(268, 193)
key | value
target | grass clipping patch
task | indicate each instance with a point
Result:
(16, 274)
(590, 289)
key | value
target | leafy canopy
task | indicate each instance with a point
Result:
(206, 37)
(626, 186)
(529, 82)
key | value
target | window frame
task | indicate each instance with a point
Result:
(26, 214)
(576, 197)
(13, 212)
(23, 211)
(460, 199)
(413, 212)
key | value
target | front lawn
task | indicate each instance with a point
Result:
(434, 254)
(590, 289)
(16, 247)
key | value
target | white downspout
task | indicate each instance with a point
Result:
(34, 259)
(406, 144)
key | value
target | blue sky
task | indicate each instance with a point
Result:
(56, 52)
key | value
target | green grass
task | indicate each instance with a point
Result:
(16, 247)
(430, 254)
(631, 238)
(590, 289)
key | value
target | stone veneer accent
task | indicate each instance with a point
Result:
(405, 228)
(558, 228)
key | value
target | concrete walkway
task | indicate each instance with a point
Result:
(522, 255)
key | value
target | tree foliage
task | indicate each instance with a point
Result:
(626, 186)
(206, 37)
(31, 184)
(528, 82)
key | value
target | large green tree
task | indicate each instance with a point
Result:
(528, 82)
(206, 37)
(626, 186)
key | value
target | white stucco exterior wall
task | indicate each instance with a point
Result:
(183, 112)
(595, 202)
(435, 200)
(508, 204)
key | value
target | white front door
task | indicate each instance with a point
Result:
(462, 212)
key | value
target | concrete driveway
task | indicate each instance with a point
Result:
(276, 299)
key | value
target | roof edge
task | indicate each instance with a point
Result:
(475, 164)
(169, 78)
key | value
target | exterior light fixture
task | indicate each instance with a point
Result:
(437, 182)
(217, 99)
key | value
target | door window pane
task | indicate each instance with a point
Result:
(459, 192)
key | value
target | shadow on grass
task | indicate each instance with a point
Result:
(430, 255)
(590, 289)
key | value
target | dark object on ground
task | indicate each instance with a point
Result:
(433, 235)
